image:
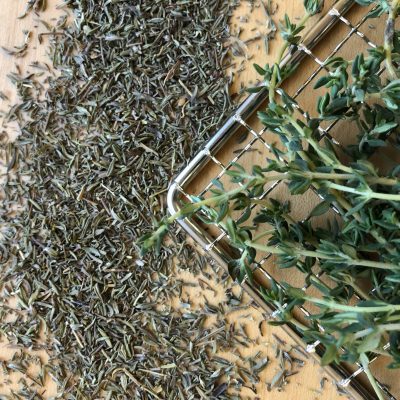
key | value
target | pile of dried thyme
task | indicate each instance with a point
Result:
(140, 86)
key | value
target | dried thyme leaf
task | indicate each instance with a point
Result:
(34, 5)
(20, 51)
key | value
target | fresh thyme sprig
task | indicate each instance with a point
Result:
(363, 240)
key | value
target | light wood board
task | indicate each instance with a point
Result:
(306, 383)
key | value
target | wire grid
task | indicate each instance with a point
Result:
(257, 138)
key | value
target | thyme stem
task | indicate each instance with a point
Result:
(273, 82)
(193, 207)
(388, 41)
(381, 328)
(367, 194)
(365, 363)
(322, 256)
(343, 307)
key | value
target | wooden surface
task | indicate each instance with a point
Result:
(12, 34)
(369, 31)
(306, 384)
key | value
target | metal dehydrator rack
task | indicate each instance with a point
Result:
(216, 243)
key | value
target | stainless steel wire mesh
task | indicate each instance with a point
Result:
(227, 147)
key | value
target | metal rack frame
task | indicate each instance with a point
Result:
(212, 245)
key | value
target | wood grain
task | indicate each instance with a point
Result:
(369, 32)
(305, 385)
(12, 34)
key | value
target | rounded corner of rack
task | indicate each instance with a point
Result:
(171, 198)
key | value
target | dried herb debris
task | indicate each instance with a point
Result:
(140, 87)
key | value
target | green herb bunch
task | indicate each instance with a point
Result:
(362, 242)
